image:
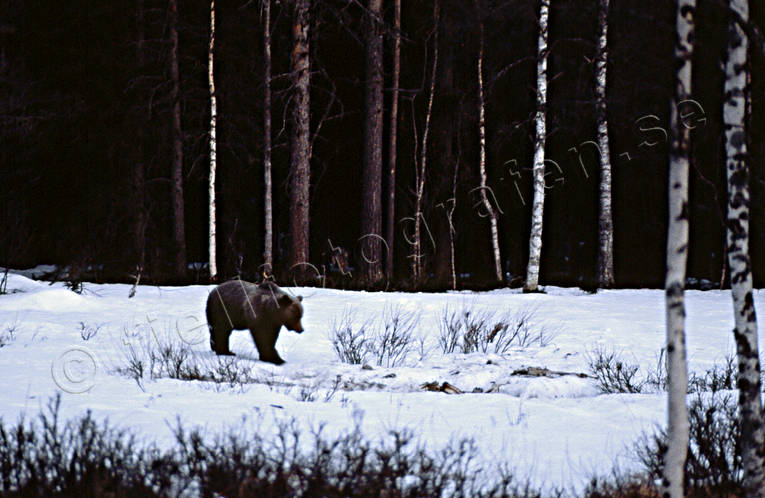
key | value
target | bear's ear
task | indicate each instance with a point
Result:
(300, 298)
(284, 300)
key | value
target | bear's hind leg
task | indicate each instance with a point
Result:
(219, 341)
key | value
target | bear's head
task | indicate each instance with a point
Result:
(291, 311)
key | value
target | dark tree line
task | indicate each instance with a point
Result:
(99, 137)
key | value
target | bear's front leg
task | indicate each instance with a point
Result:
(266, 344)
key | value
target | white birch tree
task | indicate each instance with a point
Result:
(420, 170)
(540, 137)
(213, 264)
(605, 218)
(268, 252)
(677, 256)
(735, 116)
(491, 212)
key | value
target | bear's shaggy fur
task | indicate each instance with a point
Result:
(262, 308)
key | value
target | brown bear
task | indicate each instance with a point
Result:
(262, 308)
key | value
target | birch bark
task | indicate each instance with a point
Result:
(538, 171)
(421, 171)
(213, 264)
(605, 219)
(268, 252)
(735, 114)
(677, 255)
(490, 209)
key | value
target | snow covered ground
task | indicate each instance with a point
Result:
(554, 431)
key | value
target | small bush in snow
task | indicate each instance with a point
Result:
(8, 334)
(718, 378)
(84, 457)
(311, 393)
(349, 342)
(387, 339)
(621, 486)
(87, 332)
(713, 466)
(657, 379)
(393, 339)
(78, 458)
(468, 331)
(613, 373)
(161, 356)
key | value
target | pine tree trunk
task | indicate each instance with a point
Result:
(421, 171)
(444, 137)
(490, 210)
(139, 172)
(300, 156)
(538, 172)
(268, 252)
(605, 220)
(735, 115)
(392, 139)
(179, 231)
(371, 191)
(213, 264)
(677, 255)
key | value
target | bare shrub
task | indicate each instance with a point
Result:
(468, 331)
(718, 378)
(393, 339)
(350, 345)
(387, 339)
(48, 456)
(657, 379)
(157, 356)
(8, 334)
(713, 466)
(613, 373)
(87, 332)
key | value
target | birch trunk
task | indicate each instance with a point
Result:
(605, 220)
(735, 114)
(213, 264)
(179, 231)
(268, 252)
(421, 171)
(300, 155)
(491, 212)
(677, 255)
(452, 206)
(371, 191)
(538, 172)
(392, 139)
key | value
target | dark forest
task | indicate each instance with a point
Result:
(86, 101)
